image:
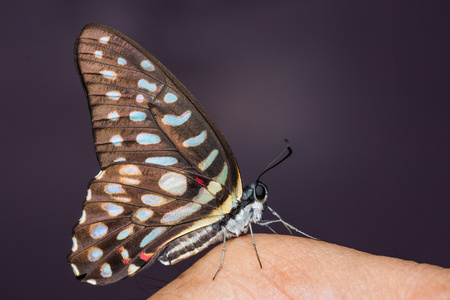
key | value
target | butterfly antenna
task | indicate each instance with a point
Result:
(273, 164)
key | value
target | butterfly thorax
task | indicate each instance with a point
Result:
(247, 210)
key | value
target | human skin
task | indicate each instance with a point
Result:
(301, 268)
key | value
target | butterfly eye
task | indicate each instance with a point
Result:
(260, 192)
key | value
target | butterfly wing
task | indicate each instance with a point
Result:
(166, 167)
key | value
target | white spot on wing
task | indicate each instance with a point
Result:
(98, 230)
(181, 213)
(214, 187)
(153, 200)
(91, 281)
(74, 244)
(114, 189)
(132, 269)
(130, 170)
(113, 209)
(174, 183)
(137, 116)
(196, 140)
(152, 235)
(106, 270)
(173, 120)
(144, 214)
(140, 98)
(116, 140)
(94, 254)
(209, 160)
(98, 54)
(124, 233)
(113, 95)
(147, 65)
(108, 74)
(98, 176)
(222, 177)
(121, 61)
(147, 139)
(203, 196)
(104, 39)
(170, 98)
(75, 270)
(162, 160)
(113, 116)
(151, 87)
(83, 217)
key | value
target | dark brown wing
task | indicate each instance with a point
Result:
(166, 167)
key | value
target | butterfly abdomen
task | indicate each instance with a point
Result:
(190, 244)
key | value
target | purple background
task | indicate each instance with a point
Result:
(361, 89)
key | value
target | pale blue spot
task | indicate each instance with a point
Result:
(140, 98)
(137, 116)
(95, 254)
(106, 270)
(151, 87)
(98, 230)
(153, 200)
(119, 159)
(209, 160)
(147, 139)
(98, 54)
(125, 254)
(196, 140)
(152, 235)
(104, 39)
(222, 177)
(169, 98)
(124, 233)
(121, 61)
(147, 65)
(173, 183)
(116, 140)
(114, 189)
(180, 213)
(115, 95)
(113, 116)
(203, 196)
(162, 161)
(176, 120)
(129, 170)
(144, 214)
(108, 74)
(113, 210)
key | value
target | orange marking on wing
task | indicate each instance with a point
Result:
(145, 256)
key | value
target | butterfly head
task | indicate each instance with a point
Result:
(260, 193)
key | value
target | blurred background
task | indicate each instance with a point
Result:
(360, 88)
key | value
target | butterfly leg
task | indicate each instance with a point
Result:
(254, 245)
(286, 224)
(223, 251)
(266, 223)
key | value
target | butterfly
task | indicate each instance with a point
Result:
(169, 184)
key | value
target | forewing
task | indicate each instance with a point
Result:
(142, 114)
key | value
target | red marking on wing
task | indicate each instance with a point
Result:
(125, 261)
(145, 256)
(121, 249)
(200, 181)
